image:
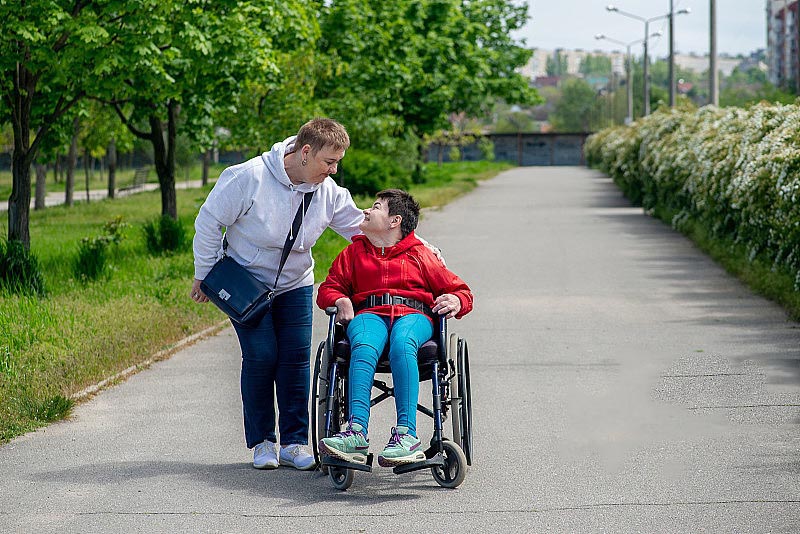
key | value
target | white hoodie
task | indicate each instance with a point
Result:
(257, 202)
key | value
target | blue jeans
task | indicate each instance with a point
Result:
(275, 359)
(368, 335)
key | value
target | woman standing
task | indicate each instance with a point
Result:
(255, 202)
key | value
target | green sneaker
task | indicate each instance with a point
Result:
(403, 448)
(350, 445)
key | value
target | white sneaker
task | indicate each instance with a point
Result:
(265, 456)
(297, 456)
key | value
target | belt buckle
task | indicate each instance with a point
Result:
(386, 299)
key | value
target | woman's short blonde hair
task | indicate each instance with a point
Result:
(320, 132)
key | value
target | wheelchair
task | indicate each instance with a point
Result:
(442, 360)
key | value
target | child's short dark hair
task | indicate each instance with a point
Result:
(404, 205)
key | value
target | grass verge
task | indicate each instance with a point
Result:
(760, 276)
(84, 332)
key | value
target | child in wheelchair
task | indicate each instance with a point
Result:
(387, 287)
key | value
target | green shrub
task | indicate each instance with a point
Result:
(454, 153)
(365, 173)
(115, 229)
(92, 259)
(20, 272)
(734, 171)
(486, 147)
(164, 235)
(92, 255)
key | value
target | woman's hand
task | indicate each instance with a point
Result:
(345, 311)
(196, 294)
(447, 305)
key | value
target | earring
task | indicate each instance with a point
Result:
(304, 162)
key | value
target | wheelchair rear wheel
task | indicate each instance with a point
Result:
(319, 391)
(465, 389)
(461, 396)
(454, 470)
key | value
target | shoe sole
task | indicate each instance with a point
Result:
(266, 466)
(356, 458)
(402, 460)
(289, 463)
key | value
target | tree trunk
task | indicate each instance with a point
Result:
(164, 155)
(112, 167)
(19, 203)
(206, 164)
(418, 174)
(72, 158)
(41, 185)
(86, 164)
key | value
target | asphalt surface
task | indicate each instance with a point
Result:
(622, 382)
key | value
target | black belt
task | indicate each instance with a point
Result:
(392, 300)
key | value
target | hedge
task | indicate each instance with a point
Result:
(735, 171)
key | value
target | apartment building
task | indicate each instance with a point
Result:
(783, 35)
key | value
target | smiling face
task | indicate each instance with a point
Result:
(321, 164)
(377, 220)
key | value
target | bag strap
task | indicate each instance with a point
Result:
(291, 237)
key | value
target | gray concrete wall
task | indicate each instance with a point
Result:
(524, 149)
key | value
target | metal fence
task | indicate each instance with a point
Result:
(524, 149)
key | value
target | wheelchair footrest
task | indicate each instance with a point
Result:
(330, 461)
(436, 461)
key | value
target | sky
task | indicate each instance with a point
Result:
(572, 24)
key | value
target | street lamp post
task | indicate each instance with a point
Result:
(628, 68)
(713, 73)
(646, 74)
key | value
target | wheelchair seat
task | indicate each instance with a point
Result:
(426, 354)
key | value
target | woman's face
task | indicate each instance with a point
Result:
(377, 218)
(322, 164)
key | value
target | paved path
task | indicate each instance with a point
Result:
(57, 198)
(622, 382)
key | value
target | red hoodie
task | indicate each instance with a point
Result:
(408, 269)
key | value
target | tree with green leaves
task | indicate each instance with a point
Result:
(192, 61)
(402, 68)
(47, 56)
(556, 64)
(595, 65)
(574, 110)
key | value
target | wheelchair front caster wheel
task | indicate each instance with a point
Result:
(341, 478)
(454, 470)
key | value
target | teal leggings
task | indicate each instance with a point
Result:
(368, 335)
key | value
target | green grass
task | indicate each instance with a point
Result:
(84, 332)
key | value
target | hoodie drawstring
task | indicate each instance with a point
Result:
(302, 218)
(302, 223)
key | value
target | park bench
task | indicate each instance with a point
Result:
(139, 179)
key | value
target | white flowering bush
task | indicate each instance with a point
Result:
(735, 171)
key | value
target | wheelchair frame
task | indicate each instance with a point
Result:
(450, 384)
